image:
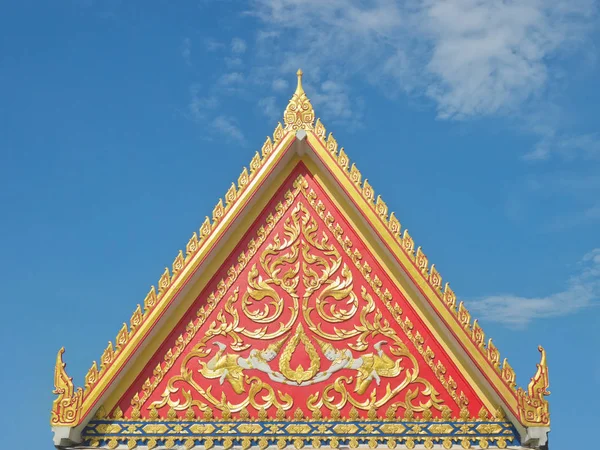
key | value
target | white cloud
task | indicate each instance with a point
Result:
(471, 58)
(270, 109)
(586, 146)
(186, 50)
(228, 126)
(280, 85)
(212, 45)
(232, 78)
(238, 45)
(582, 291)
(199, 105)
(233, 62)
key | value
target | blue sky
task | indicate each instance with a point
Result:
(122, 123)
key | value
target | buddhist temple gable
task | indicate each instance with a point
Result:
(301, 211)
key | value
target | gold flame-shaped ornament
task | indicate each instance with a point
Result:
(299, 374)
(299, 114)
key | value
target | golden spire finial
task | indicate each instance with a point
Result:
(299, 114)
(299, 89)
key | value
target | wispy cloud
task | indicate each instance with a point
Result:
(186, 51)
(470, 58)
(270, 108)
(582, 291)
(238, 45)
(280, 85)
(586, 146)
(231, 78)
(228, 127)
(212, 45)
(199, 105)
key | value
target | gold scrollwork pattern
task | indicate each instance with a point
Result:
(215, 297)
(300, 281)
(405, 324)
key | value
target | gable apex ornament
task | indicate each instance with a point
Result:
(299, 114)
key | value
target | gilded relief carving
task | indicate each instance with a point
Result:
(299, 322)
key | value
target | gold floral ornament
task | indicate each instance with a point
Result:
(66, 408)
(299, 374)
(299, 114)
(533, 407)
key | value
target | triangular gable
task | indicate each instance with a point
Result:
(300, 301)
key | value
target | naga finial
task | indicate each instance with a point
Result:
(533, 407)
(299, 114)
(66, 406)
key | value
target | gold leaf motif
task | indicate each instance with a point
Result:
(278, 133)
(209, 443)
(343, 160)
(464, 317)
(131, 443)
(218, 212)
(136, 319)
(244, 414)
(477, 335)
(262, 414)
(394, 225)
(355, 175)
(255, 164)
(117, 413)
(408, 244)
(135, 414)
(320, 130)
(178, 263)
(92, 376)
(435, 278)
(122, 337)
(483, 414)
(189, 444)
(208, 414)
(331, 144)
(153, 413)
(150, 300)
(493, 355)
(151, 443)
(280, 414)
(335, 413)
(267, 147)
(381, 208)
(392, 443)
(372, 414)
(508, 374)
(107, 357)
(449, 297)
(164, 282)
(243, 179)
(367, 191)
(421, 261)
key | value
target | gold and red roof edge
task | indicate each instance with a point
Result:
(530, 408)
